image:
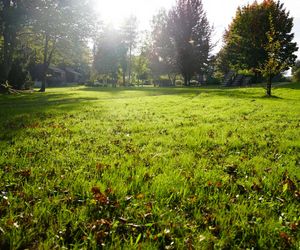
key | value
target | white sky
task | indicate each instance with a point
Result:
(219, 13)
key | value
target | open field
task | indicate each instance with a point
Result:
(150, 168)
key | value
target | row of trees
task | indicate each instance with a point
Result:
(180, 42)
(258, 41)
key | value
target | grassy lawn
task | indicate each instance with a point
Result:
(150, 168)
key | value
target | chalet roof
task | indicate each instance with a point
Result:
(70, 70)
(58, 70)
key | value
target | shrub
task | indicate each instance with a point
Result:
(194, 83)
(29, 85)
(178, 82)
(296, 76)
(213, 81)
(17, 75)
(164, 83)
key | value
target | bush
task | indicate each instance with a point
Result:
(194, 83)
(29, 85)
(17, 76)
(296, 76)
(213, 81)
(245, 72)
(178, 82)
(164, 83)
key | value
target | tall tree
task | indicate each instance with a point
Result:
(129, 38)
(107, 53)
(191, 33)
(55, 21)
(277, 58)
(246, 40)
(141, 64)
(162, 54)
(12, 18)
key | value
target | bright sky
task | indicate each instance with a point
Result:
(219, 13)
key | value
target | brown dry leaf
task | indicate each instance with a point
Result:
(242, 189)
(140, 196)
(101, 167)
(95, 190)
(24, 173)
(149, 206)
(103, 222)
(146, 177)
(193, 199)
(285, 237)
(108, 191)
(256, 187)
(29, 155)
(101, 198)
(294, 226)
(209, 183)
(288, 185)
(219, 184)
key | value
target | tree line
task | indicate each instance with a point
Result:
(42, 32)
(258, 42)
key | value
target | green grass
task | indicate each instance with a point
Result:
(150, 168)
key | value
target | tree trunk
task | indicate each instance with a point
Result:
(8, 40)
(7, 53)
(129, 70)
(47, 60)
(172, 78)
(45, 66)
(269, 86)
(124, 76)
(185, 77)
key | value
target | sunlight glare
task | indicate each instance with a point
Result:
(115, 11)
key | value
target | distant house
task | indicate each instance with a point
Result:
(72, 75)
(55, 76)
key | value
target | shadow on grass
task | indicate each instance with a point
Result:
(272, 97)
(212, 90)
(66, 101)
(254, 92)
(292, 85)
(41, 101)
(150, 91)
(22, 111)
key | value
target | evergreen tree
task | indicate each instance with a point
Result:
(107, 55)
(128, 38)
(162, 55)
(191, 33)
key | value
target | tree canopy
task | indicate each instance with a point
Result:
(191, 33)
(181, 40)
(43, 32)
(247, 38)
(35, 30)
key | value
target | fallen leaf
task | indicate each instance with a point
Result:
(140, 196)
